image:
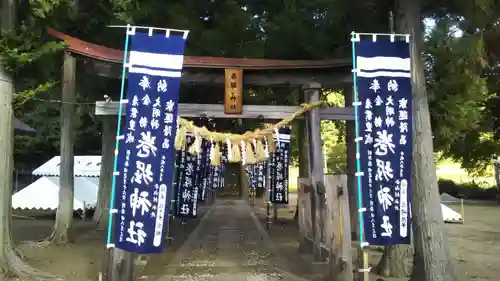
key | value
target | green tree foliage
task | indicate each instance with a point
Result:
(35, 61)
(457, 92)
(333, 136)
(28, 55)
(217, 28)
(454, 83)
(464, 113)
(463, 81)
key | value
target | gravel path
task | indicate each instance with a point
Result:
(228, 245)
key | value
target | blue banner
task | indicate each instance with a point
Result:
(279, 162)
(187, 191)
(217, 172)
(202, 168)
(260, 175)
(250, 173)
(256, 175)
(224, 160)
(206, 167)
(214, 177)
(385, 139)
(146, 152)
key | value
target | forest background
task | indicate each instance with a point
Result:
(461, 62)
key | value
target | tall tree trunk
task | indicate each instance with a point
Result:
(101, 214)
(394, 261)
(431, 258)
(10, 262)
(64, 216)
(6, 151)
(6, 154)
(8, 17)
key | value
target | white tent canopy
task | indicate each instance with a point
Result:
(85, 166)
(449, 215)
(447, 198)
(44, 194)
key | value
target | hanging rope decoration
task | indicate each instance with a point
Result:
(253, 146)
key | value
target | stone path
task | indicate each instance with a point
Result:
(228, 245)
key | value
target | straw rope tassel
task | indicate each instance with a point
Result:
(216, 160)
(180, 139)
(204, 132)
(212, 150)
(195, 147)
(260, 153)
(271, 146)
(236, 153)
(266, 148)
(229, 150)
(277, 136)
(243, 153)
(250, 154)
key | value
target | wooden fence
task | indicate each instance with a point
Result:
(335, 230)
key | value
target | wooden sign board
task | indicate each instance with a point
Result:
(233, 97)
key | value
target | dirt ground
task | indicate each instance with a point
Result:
(474, 246)
(83, 259)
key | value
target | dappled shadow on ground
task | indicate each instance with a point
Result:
(284, 235)
(157, 264)
(228, 245)
(82, 259)
(474, 245)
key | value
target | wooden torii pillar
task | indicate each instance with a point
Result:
(351, 165)
(64, 214)
(315, 169)
(327, 247)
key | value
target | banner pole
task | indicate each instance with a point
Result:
(268, 207)
(275, 212)
(362, 255)
(121, 266)
(171, 200)
(117, 143)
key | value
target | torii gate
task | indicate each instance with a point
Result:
(308, 75)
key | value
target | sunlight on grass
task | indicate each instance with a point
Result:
(293, 174)
(445, 169)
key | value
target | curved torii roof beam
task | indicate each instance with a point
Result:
(258, 72)
(210, 70)
(99, 52)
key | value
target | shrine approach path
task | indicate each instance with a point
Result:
(229, 244)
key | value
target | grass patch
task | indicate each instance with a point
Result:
(293, 175)
(446, 170)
